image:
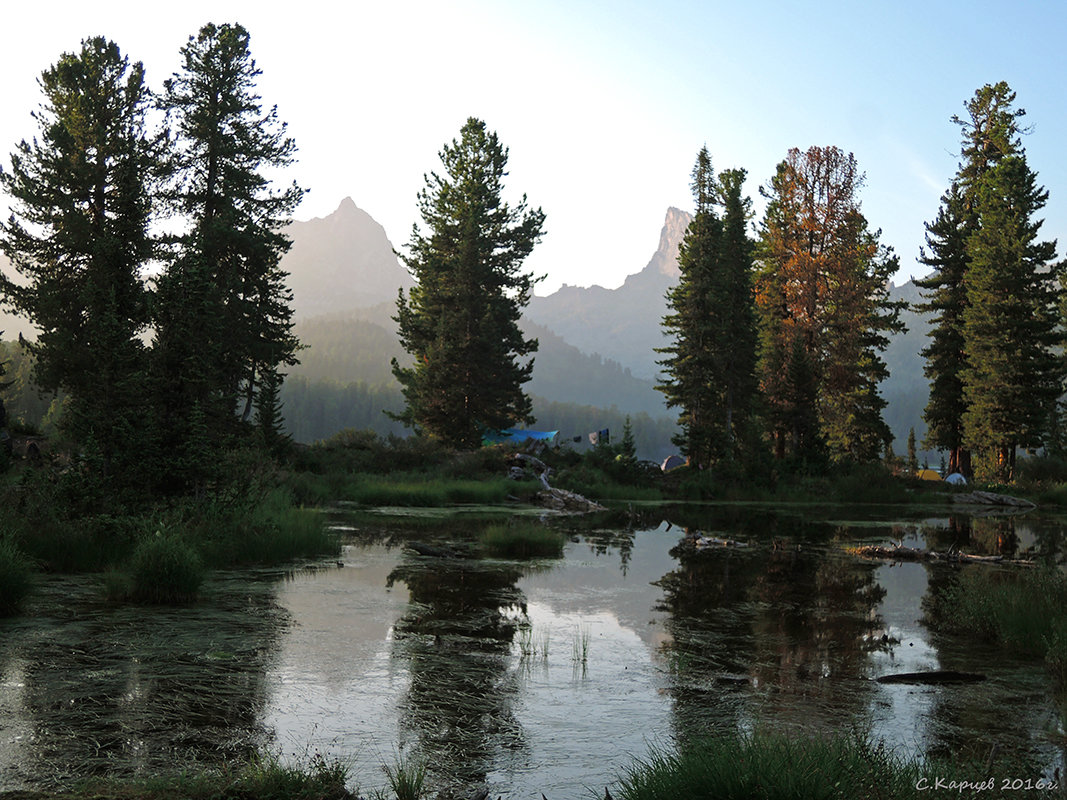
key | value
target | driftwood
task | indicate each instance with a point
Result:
(434, 551)
(556, 499)
(900, 553)
(932, 677)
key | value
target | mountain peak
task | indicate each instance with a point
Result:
(665, 260)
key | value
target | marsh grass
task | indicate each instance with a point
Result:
(272, 531)
(165, 569)
(777, 767)
(580, 645)
(428, 492)
(15, 577)
(406, 778)
(521, 539)
(1024, 610)
(263, 778)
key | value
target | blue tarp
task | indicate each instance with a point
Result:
(518, 436)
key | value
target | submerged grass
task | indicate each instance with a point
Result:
(522, 539)
(777, 767)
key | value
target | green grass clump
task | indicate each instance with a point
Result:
(15, 577)
(522, 540)
(1024, 610)
(777, 767)
(271, 531)
(264, 778)
(430, 492)
(407, 779)
(165, 568)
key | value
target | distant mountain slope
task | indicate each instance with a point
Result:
(342, 261)
(622, 324)
(357, 346)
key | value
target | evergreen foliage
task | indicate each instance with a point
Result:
(945, 300)
(710, 367)
(994, 360)
(79, 236)
(224, 314)
(460, 323)
(825, 312)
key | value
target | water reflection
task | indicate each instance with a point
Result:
(476, 666)
(455, 642)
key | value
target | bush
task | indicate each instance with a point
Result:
(15, 577)
(522, 540)
(165, 569)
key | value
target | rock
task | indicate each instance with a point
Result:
(978, 498)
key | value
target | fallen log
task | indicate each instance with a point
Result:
(900, 553)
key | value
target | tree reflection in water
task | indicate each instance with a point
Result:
(455, 640)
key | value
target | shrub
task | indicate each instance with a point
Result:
(165, 569)
(15, 577)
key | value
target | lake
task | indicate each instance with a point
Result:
(544, 676)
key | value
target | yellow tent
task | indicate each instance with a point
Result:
(928, 475)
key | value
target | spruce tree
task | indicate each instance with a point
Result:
(224, 314)
(460, 322)
(1014, 369)
(945, 299)
(79, 236)
(710, 366)
(995, 376)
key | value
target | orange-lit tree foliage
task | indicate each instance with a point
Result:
(822, 295)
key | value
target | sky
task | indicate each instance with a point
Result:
(603, 104)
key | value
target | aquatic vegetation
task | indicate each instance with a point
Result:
(407, 778)
(265, 777)
(165, 569)
(779, 767)
(1022, 610)
(580, 646)
(15, 577)
(522, 539)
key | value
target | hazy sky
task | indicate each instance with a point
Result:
(603, 105)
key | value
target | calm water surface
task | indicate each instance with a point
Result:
(530, 677)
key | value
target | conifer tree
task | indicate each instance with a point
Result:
(1014, 369)
(460, 322)
(224, 314)
(79, 236)
(824, 307)
(946, 298)
(710, 366)
(995, 377)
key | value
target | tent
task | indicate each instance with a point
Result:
(517, 436)
(928, 475)
(672, 462)
(956, 479)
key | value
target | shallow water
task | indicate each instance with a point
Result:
(539, 677)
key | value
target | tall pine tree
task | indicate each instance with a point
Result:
(224, 323)
(460, 322)
(710, 366)
(79, 236)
